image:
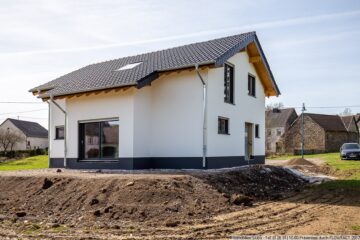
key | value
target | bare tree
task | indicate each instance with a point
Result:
(271, 106)
(13, 139)
(4, 141)
(8, 139)
(346, 112)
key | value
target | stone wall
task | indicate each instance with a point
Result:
(334, 140)
(314, 137)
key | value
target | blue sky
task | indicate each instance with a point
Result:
(312, 46)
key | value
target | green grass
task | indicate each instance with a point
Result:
(349, 169)
(357, 227)
(37, 162)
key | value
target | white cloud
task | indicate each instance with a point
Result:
(257, 26)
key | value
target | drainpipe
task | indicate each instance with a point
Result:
(49, 152)
(204, 149)
(65, 126)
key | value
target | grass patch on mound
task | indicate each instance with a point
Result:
(36, 162)
(356, 227)
(347, 170)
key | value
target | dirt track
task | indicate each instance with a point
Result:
(187, 205)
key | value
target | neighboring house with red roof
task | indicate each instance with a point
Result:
(32, 134)
(322, 133)
(200, 105)
(277, 122)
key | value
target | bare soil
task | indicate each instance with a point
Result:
(218, 204)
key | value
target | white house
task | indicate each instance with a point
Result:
(32, 134)
(196, 106)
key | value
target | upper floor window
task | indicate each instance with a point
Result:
(278, 132)
(257, 131)
(251, 85)
(59, 132)
(229, 83)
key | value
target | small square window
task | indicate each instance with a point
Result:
(251, 85)
(59, 132)
(223, 125)
(278, 132)
(257, 131)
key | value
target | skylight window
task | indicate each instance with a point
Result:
(129, 66)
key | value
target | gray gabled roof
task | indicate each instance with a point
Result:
(105, 75)
(279, 117)
(331, 123)
(30, 129)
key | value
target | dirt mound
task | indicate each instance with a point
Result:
(151, 200)
(259, 182)
(299, 161)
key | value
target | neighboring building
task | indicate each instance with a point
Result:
(322, 133)
(32, 134)
(147, 111)
(357, 120)
(277, 122)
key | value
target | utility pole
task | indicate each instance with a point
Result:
(303, 109)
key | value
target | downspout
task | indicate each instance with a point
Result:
(204, 148)
(49, 152)
(65, 127)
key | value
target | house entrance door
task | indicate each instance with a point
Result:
(248, 141)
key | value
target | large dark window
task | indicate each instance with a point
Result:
(59, 132)
(223, 125)
(229, 84)
(99, 140)
(251, 85)
(257, 131)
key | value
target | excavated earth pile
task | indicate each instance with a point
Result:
(159, 198)
(213, 204)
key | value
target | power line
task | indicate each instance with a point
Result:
(31, 117)
(21, 102)
(36, 110)
(353, 106)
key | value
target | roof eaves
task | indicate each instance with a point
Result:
(154, 75)
(47, 95)
(232, 51)
(267, 66)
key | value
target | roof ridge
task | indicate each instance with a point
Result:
(21, 120)
(170, 48)
(141, 54)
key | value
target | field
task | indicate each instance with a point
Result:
(347, 171)
(44, 204)
(37, 162)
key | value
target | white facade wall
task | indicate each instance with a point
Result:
(168, 117)
(245, 109)
(9, 125)
(36, 142)
(165, 119)
(56, 146)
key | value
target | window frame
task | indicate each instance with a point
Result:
(227, 125)
(231, 98)
(81, 139)
(251, 85)
(56, 132)
(257, 131)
